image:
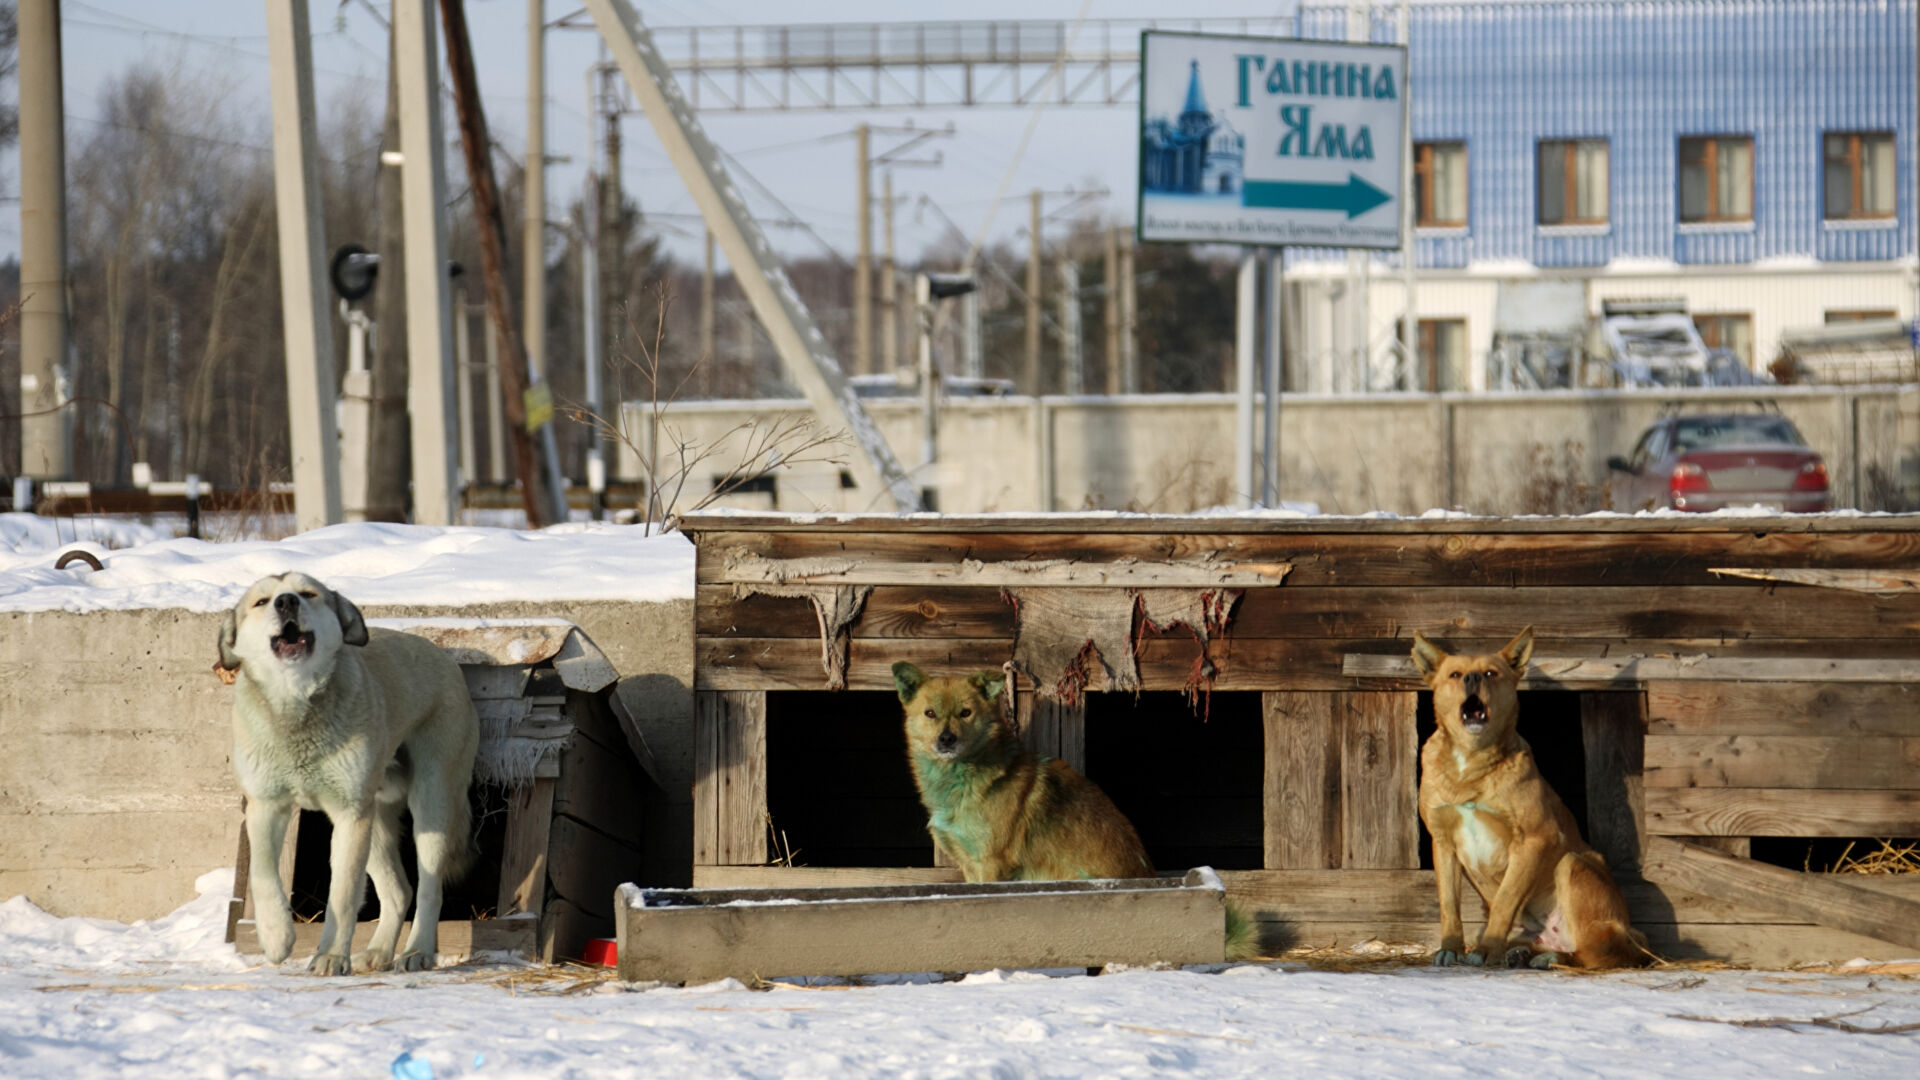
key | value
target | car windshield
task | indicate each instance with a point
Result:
(1707, 432)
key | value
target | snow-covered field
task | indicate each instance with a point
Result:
(84, 998)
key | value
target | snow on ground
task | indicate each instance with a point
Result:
(368, 563)
(84, 997)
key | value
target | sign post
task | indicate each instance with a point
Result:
(1269, 142)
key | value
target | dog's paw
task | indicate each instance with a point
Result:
(1545, 960)
(276, 943)
(1446, 958)
(373, 960)
(1476, 958)
(413, 961)
(330, 964)
(1518, 956)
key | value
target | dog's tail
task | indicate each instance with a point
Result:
(1242, 937)
(463, 847)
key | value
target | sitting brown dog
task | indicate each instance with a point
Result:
(1491, 813)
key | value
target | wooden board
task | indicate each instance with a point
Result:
(1554, 672)
(1055, 729)
(1379, 791)
(1783, 709)
(730, 777)
(1781, 812)
(1301, 791)
(1827, 899)
(699, 936)
(1867, 762)
(1611, 726)
(458, 937)
(523, 862)
(1202, 573)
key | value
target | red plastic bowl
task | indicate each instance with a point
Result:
(602, 951)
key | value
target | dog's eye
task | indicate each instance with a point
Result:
(311, 595)
(964, 713)
(1454, 675)
(930, 715)
(1493, 673)
(262, 602)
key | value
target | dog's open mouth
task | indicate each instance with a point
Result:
(1473, 714)
(292, 643)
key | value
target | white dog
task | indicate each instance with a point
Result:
(327, 716)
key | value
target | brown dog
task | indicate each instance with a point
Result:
(1491, 813)
(997, 810)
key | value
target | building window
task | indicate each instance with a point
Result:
(1859, 174)
(1440, 184)
(1733, 333)
(1716, 178)
(1847, 315)
(1573, 182)
(1442, 345)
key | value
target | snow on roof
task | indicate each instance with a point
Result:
(371, 564)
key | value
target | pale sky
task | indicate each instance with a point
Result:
(222, 44)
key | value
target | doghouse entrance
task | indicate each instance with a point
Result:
(1191, 782)
(839, 789)
(475, 895)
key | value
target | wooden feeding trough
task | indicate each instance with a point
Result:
(1241, 687)
(561, 759)
(698, 935)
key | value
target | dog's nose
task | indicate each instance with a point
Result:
(947, 740)
(286, 603)
(1472, 682)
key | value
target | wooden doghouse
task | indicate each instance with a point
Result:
(561, 761)
(1241, 687)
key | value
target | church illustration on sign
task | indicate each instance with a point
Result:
(1196, 153)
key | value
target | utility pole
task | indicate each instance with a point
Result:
(707, 359)
(314, 440)
(544, 499)
(1034, 383)
(1409, 250)
(1073, 371)
(429, 322)
(1129, 362)
(1359, 260)
(612, 252)
(1110, 311)
(387, 460)
(533, 216)
(46, 440)
(863, 255)
(889, 288)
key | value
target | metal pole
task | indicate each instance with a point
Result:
(313, 437)
(1276, 260)
(591, 208)
(356, 416)
(429, 317)
(496, 412)
(1359, 261)
(863, 253)
(809, 363)
(533, 256)
(929, 379)
(1035, 385)
(46, 440)
(889, 285)
(1110, 310)
(975, 362)
(1129, 360)
(1246, 313)
(707, 325)
(1410, 309)
(463, 382)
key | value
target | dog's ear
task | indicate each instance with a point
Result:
(989, 683)
(229, 632)
(907, 679)
(353, 627)
(1519, 651)
(1426, 655)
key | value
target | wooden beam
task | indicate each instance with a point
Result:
(1824, 899)
(747, 568)
(1852, 709)
(1055, 728)
(1301, 793)
(1612, 728)
(1585, 673)
(1379, 790)
(523, 862)
(1855, 762)
(730, 778)
(1879, 582)
(1106, 521)
(1781, 812)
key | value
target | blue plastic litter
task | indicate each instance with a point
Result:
(408, 1067)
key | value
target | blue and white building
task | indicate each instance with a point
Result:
(1753, 158)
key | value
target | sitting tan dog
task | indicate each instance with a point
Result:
(328, 715)
(1491, 813)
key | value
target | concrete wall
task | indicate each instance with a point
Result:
(117, 786)
(1404, 453)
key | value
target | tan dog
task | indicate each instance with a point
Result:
(1491, 814)
(329, 716)
(995, 809)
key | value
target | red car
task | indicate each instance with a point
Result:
(1706, 461)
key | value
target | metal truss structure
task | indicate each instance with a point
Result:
(915, 65)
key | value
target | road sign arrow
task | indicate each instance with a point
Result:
(1355, 197)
